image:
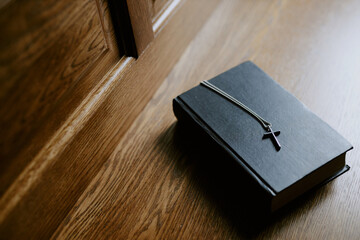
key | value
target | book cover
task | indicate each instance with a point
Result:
(311, 153)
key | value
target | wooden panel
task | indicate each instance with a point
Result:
(48, 51)
(133, 25)
(108, 28)
(150, 188)
(41, 196)
(141, 24)
(157, 7)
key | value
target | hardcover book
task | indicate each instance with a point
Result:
(312, 153)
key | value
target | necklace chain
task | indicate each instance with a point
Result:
(266, 125)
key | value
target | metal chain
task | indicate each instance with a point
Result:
(266, 125)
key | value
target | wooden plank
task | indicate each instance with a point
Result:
(149, 187)
(39, 199)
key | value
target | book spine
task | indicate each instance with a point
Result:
(197, 127)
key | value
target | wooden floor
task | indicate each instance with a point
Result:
(149, 189)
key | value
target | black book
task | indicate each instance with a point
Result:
(311, 154)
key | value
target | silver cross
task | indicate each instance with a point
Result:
(272, 135)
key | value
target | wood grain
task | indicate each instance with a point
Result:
(157, 7)
(133, 26)
(47, 50)
(107, 25)
(141, 24)
(149, 187)
(74, 148)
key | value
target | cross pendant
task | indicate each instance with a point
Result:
(272, 135)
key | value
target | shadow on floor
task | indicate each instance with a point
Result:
(226, 186)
